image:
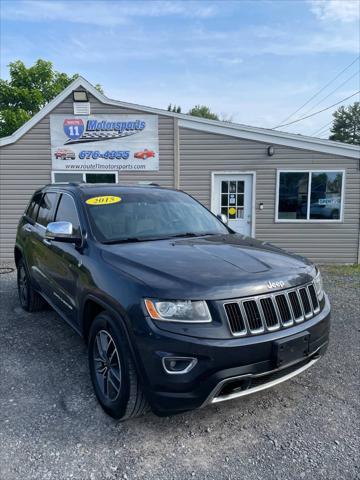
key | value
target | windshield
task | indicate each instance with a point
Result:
(149, 215)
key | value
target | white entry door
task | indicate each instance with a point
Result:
(232, 196)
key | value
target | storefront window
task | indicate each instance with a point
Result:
(310, 195)
(325, 200)
(86, 177)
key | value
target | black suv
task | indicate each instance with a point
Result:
(178, 311)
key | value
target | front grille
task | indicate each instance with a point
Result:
(249, 316)
(270, 316)
(253, 315)
(314, 300)
(305, 300)
(235, 317)
(284, 309)
(295, 305)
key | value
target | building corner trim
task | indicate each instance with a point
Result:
(176, 154)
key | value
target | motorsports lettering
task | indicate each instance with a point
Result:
(117, 142)
(95, 130)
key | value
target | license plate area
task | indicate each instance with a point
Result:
(291, 349)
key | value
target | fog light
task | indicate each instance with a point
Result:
(178, 365)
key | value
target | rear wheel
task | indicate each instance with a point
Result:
(30, 300)
(112, 370)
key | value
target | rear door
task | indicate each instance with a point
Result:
(40, 253)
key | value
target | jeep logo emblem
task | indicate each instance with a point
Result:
(279, 284)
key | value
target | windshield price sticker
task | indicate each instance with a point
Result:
(103, 200)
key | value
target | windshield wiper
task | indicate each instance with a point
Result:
(192, 234)
(122, 240)
(149, 239)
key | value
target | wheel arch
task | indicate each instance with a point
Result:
(92, 307)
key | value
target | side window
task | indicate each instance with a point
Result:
(46, 208)
(33, 208)
(67, 212)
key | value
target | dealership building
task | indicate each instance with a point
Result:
(300, 193)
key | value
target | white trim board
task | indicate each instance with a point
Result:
(197, 123)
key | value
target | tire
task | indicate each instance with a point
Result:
(30, 300)
(112, 370)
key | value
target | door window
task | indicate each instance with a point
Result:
(46, 208)
(33, 208)
(66, 212)
(232, 199)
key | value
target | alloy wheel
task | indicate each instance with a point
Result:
(107, 365)
(23, 286)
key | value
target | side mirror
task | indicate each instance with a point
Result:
(222, 218)
(61, 232)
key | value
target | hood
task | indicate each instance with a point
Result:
(213, 267)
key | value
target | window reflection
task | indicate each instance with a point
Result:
(293, 195)
(326, 195)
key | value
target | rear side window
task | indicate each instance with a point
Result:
(67, 212)
(33, 208)
(46, 209)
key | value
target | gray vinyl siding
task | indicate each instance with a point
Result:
(26, 165)
(202, 153)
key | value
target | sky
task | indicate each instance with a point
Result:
(253, 62)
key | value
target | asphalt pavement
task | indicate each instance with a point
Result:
(51, 426)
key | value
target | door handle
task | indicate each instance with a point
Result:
(28, 229)
(47, 242)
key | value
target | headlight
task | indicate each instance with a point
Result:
(318, 284)
(178, 310)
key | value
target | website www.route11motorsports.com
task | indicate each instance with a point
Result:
(98, 166)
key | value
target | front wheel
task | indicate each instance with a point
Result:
(112, 370)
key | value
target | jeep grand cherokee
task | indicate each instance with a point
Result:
(178, 311)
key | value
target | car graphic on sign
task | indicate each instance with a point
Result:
(144, 154)
(64, 154)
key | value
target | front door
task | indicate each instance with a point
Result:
(232, 196)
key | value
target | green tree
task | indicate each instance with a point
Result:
(175, 109)
(204, 112)
(346, 124)
(28, 91)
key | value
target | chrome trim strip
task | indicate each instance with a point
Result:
(179, 372)
(241, 333)
(273, 328)
(311, 314)
(214, 399)
(254, 331)
(315, 310)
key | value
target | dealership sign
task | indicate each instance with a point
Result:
(104, 142)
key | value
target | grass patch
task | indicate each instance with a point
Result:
(342, 269)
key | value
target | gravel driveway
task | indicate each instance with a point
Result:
(51, 425)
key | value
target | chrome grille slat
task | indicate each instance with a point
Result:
(253, 315)
(270, 312)
(314, 299)
(296, 306)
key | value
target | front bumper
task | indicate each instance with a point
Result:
(225, 368)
